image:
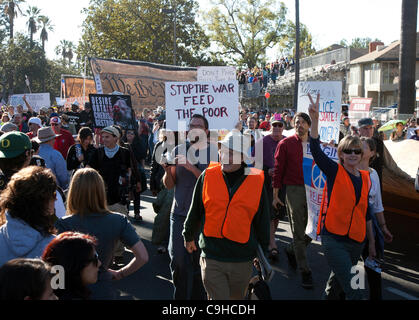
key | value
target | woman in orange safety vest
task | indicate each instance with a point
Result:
(344, 219)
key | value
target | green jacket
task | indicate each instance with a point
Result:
(223, 249)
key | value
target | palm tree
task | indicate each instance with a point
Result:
(70, 50)
(11, 9)
(46, 26)
(66, 50)
(33, 14)
(61, 50)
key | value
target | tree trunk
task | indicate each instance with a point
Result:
(407, 58)
(11, 27)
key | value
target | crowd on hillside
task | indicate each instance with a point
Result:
(68, 186)
(265, 74)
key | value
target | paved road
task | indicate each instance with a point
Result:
(400, 273)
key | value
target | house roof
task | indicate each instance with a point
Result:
(389, 53)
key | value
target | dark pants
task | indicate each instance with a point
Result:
(373, 278)
(185, 268)
(341, 256)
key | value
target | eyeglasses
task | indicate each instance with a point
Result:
(350, 151)
(94, 260)
(55, 124)
(277, 125)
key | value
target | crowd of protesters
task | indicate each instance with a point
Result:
(68, 205)
(265, 74)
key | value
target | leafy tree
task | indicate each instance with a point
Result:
(4, 25)
(360, 43)
(143, 30)
(32, 23)
(12, 9)
(46, 26)
(18, 60)
(287, 42)
(244, 29)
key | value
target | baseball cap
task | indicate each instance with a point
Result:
(112, 130)
(276, 118)
(13, 144)
(365, 122)
(35, 120)
(55, 120)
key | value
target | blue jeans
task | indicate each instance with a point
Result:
(185, 268)
(341, 256)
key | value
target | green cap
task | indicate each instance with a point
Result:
(13, 144)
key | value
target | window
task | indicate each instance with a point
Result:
(390, 71)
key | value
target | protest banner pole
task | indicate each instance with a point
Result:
(84, 81)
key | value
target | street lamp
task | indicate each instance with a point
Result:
(174, 31)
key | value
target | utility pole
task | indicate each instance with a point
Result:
(407, 59)
(297, 52)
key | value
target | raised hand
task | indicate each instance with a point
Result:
(313, 108)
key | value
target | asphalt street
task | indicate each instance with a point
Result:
(400, 271)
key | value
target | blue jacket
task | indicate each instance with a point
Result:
(19, 240)
(55, 161)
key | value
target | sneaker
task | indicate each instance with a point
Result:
(291, 259)
(306, 280)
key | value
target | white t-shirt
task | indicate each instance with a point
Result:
(375, 199)
(59, 206)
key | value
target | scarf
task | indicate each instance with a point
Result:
(111, 152)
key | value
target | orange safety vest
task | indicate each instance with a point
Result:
(341, 215)
(225, 217)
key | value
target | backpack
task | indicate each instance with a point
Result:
(258, 289)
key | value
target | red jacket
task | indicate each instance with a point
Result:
(64, 142)
(288, 168)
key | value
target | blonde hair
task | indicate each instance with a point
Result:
(347, 143)
(87, 193)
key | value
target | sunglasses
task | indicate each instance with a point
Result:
(55, 124)
(278, 125)
(94, 260)
(350, 151)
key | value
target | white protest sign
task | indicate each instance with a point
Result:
(329, 109)
(217, 101)
(216, 73)
(314, 182)
(35, 100)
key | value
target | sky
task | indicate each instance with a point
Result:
(329, 21)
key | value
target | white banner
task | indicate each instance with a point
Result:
(35, 100)
(330, 106)
(314, 181)
(217, 101)
(216, 74)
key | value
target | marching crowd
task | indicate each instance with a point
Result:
(65, 201)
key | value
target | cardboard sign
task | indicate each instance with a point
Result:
(358, 109)
(112, 110)
(35, 100)
(360, 104)
(144, 82)
(314, 182)
(216, 101)
(329, 109)
(216, 74)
